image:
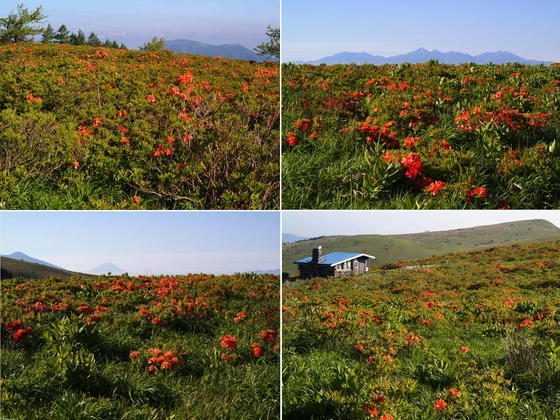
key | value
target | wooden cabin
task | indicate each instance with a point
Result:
(335, 264)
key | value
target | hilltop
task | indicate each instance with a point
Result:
(395, 248)
(225, 50)
(12, 268)
(22, 256)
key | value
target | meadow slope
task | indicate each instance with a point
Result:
(98, 128)
(421, 136)
(196, 346)
(475, 335)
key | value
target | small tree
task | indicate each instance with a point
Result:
(21, 24)
(122, 46)
(155, 45)
(48, 34)
(93, 40)
(62, 36)
(78, 39)
(272, 47)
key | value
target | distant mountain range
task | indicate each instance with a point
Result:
(225, 50)
(422, 55)
(107, 267)
(403, 247)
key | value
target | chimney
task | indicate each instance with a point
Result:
(316, 254)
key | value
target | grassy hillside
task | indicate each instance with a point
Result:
(395, 248)
(17, 268)
(421, 136)
(475, 336)
(101, 128)
(186, 347)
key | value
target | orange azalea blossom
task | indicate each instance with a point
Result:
(439, 405)
(268, 336)
(435, 187)
(22, 334)
(257, 351)
(371, 411)
(240, 317)
(292, 140)
(229, 342)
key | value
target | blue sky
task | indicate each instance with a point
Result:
(317, 28)
(147, 242)
(137, 21)
(354, 222)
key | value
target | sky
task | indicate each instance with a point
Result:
(148, 243)
(136, 21)
(385, 222)
(314, 29)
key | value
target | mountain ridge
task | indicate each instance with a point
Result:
(10, 268)
(235, 51)
(421, 55)
(403, 247)
(18, 255)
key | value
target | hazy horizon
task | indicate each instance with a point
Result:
(136, 22)
(393, 28)
(147, 243)
(411, 51)
(394, 222)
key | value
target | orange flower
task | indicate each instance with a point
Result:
(22, 334)
(229, 342)
(136, 199)
(464, 349)
(439, 405)
(76, 165)
(257, 351)
(371, 411)
(151, 98)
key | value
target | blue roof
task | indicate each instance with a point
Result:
(333, 258)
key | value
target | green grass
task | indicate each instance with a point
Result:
(101, 128)
(79, 360)
(395, 248)
(480, 128)
(12, 268)
(485, 323)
